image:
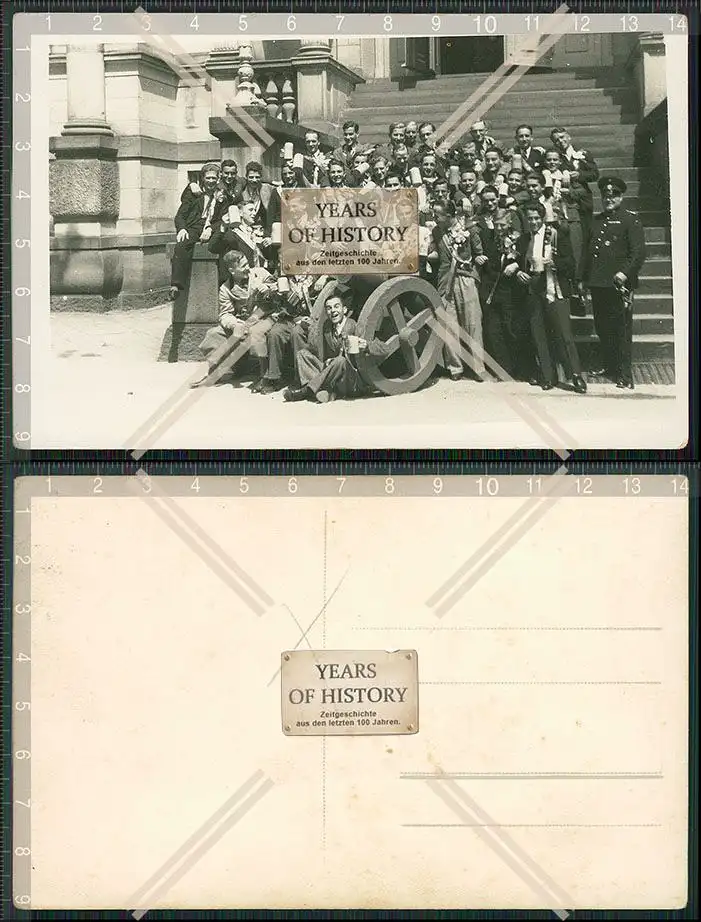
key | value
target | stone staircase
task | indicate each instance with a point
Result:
(600, 112)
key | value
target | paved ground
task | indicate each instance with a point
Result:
(104, 385)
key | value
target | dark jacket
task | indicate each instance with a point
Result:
(270, 202)
(189, 215)
(617, 244)
(564, 262)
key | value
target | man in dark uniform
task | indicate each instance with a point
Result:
(610, 271)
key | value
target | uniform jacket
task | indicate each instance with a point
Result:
(189, 215)
(617, 244)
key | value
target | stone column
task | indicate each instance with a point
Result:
(86, 264)
(85, 80)
(314, 103)
(650, 70)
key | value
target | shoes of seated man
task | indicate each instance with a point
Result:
(257, 386)
(292, 394)
(269, 386)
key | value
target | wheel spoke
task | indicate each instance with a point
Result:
(397, 315)
(411, 358)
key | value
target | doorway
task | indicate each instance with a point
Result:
(470, 55)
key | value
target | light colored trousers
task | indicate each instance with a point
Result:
(464, 312)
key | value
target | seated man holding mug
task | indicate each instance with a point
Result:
(329, 370)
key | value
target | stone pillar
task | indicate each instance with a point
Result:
(650, 71)
(86, 264)
(85, 80)
(314, 104)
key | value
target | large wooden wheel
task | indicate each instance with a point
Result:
(398, 313)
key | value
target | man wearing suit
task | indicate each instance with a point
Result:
(333, 373)
(612, 263)
(315, 161)
(230, 183)
(582, 163)
(264, 195)
(532, 157)
(547, 269)
(507, 334)
(350, 147)
(199, 213)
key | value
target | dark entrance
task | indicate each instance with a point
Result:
(470, 55)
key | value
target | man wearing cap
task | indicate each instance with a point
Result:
(612, 263)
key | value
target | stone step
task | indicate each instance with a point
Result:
(661, 234)
(647, 347)
(643, 325)
(657, 249)
(647, 303)
(657, 266)
(532, 83)
(504, 107)
(654, 284)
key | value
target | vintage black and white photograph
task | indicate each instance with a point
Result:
(546, 306)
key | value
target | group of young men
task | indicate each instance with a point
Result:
(508, 236)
